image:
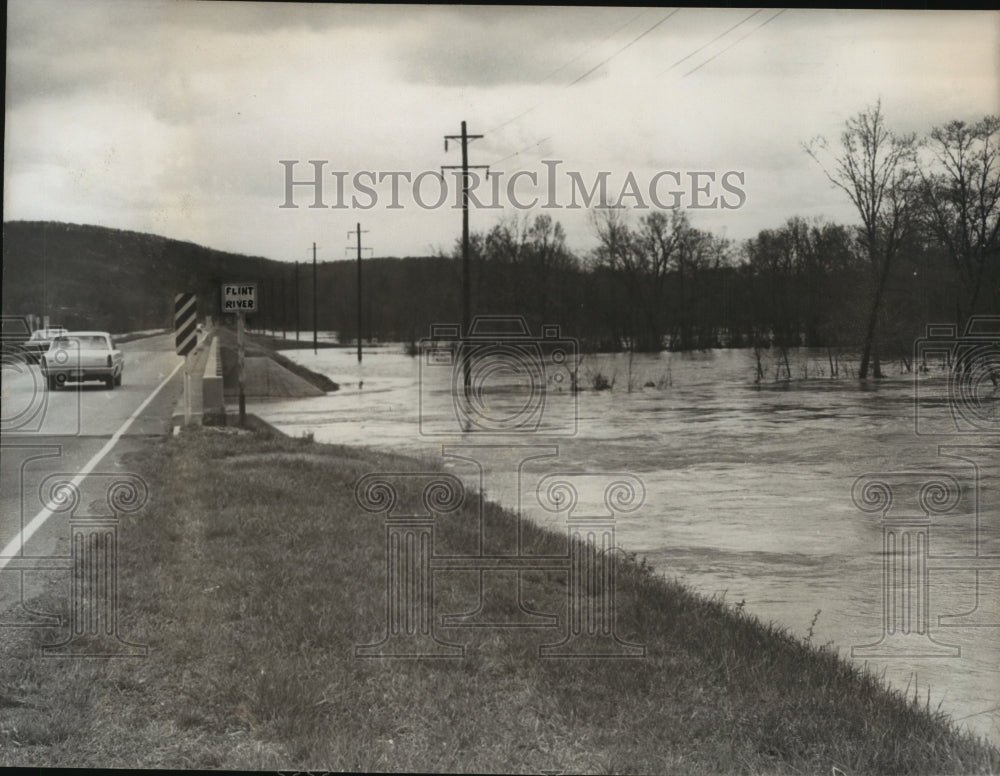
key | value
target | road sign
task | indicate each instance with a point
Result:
(239, 297)
(185, 323)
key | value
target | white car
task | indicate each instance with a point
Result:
(82, 355)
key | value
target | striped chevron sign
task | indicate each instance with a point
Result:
(185, 322)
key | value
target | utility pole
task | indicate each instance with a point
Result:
(241, 366)
(284, 304)
(267, 289)
(466, 282)
(465, 167)
(296, 301)
(272, 296)
(45, 286)
(358, 232)
(315, 328)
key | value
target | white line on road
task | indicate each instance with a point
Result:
(16, 545)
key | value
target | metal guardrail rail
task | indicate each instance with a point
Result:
(212, 401)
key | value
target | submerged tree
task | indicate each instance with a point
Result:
(663, 266)
(960, 188)
(875, 168)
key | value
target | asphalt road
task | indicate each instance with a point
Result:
(79, 433)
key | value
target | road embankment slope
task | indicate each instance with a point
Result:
(253, 575)
(267, 373)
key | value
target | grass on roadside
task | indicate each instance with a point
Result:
(252, 574)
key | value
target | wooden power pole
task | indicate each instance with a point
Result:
(358, 231)
(315, 319)
(465, 138)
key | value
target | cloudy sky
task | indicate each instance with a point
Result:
(174, 117)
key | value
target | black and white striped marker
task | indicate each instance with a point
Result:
(185, 323)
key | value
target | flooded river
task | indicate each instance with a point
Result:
(748, 487)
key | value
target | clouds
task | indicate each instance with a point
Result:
(172, 116)
(499, 46)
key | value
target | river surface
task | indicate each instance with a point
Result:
(747, 483)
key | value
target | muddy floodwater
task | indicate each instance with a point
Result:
(747, 486)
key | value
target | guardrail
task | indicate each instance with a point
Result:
(212, 401)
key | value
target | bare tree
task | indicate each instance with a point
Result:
(547, 242)
(661, 249)
(874, 167)
(618, 253)
(960, 184)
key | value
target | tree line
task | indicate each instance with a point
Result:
(926, 249)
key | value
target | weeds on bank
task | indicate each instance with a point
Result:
(252, 575)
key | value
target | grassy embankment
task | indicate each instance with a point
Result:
(257, 347)
(121, 339)
(252, 574)
(304, 343)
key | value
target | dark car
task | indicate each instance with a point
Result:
(40, 340)
(14, 333)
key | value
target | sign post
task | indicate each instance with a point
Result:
(240, 343)
(240, 298)
(185, 339)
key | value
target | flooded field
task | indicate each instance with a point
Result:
(747, 487)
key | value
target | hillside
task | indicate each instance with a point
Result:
(90, 276)
(95, 277)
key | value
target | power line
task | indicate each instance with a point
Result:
(564, 65)
(577, 80)
(768, 21)
(518, 153)
(606, 37)
(627, 45)
(717, 37)
(679, 61)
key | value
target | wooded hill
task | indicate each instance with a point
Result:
(660, 283)
(926, 250)
(111, 279)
